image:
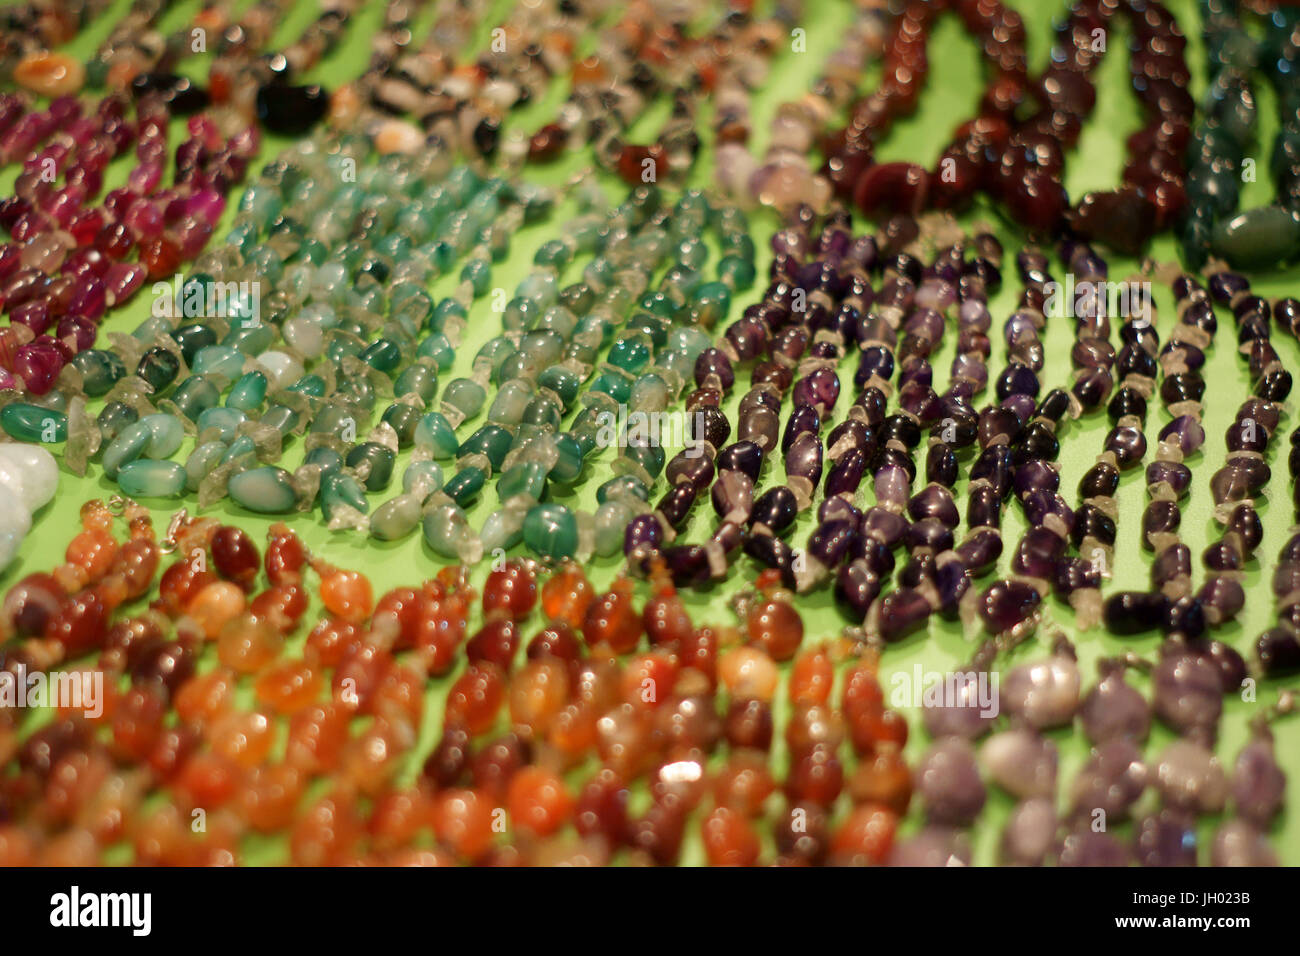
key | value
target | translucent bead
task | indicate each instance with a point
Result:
(551, 530)
(264, 490)
(152, 479)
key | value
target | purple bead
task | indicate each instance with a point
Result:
(688, 565)
(856, 586)
(1258, 783)
(1114, 710)
(1187, 693)
(1039, 552)
(902, 612)
(883, 525)
(830, 542)
(732, 495)
(1279, 651)
(835, 508)
(713, 363)
(743, 456)
(642, 532)
(1175, 474)
(846, 474)
(1225, 285)
(775, 509)
(803, 419)
(934, 501)
(1112, 779)
(1171, 564)
(1187, 431)
(1036, 475)
(1167, 838)
(948, 783)
(1222, 597)
(980, 550)
(1006, 605)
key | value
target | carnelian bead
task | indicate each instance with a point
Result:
(269, 797)
(247, 644)
(462, 819)
(285, 556)
(511, 590)
(282, 605)
(369, 760)
(870, 729)
(440, 633)
(816, 777)
(72, 782)
(327, 833)
(556, 640)
(475, 699)
(347, 594)
(182, 581)
(810, 725)
(699, 652)
(744, 783)
(29, 605)
(95, 514)
(208, 780)
(242, 737)
(288, 687)
(235, 556)
(400, 696)
(495, 643)
(538, 692)
(748, 672)
(397, 818)
(172, 749)
(665, 619)
(216, 605)
(567, 594)
(659, 833)
(648, 679)
(538, 801)
(79, 624)
(625, 739)
(329, 641)
(866, 837)
(729, 840)
(861, 691)
(776, 627)
(612, 619)
(883, 779)
(92, 550)
(316, 737)
(447, 762)
(135, 563)
(601, 808)
(401, 609)
(812, 677)
(493, 767)
(359, 675)
(163, 838)
(573, 731)
(205, 697)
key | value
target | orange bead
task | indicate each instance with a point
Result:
(748, 673)
(288, 687)
(217, 604)
(347, 594)
(538, 692)
(285, 556)
(883, 779)
(744, 783)
(776, 627)
(475, 699)
(511, 590)
(92, 550)
(612, 619)
(329, 641)
(327, 833)
(666, 621)
(316, 737)
(866, 837)
(247, 645)
(208, 780)
(729, 839)
(462, 819)
(269, 797)
(205, 697)
(538, 801)
(567, 594)
(242, 737)
(398, 818)
(648, 679)
(182, 581)
(400, 696)
(812, 677)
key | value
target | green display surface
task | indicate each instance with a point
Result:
(953, 90)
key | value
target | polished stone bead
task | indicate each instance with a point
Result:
(290, 110)
(1132, 612)
(33, 423)
(264, 490)
(152, 479)
(1007, 605)
(551, 530)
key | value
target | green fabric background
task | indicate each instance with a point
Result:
(952, 92)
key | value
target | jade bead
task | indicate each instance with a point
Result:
(419, 379)
(437, 347)
(152, 479)
(249, 337)
(224, 419)
(465, 395)
(543, 411)
(282, 418)
(551, 530)
(446, 309)
(563, 381)
(1258, 238)
(114, 417)
(194, 395)
(620, 486)
(447, 532)
(502, 530)
(511, 401)
(165, 435)
(631, 353)
(568, 461)
(158, 367)
(436, 434)
(379, 461)
(648, 456)
(491, 440)
(425, 474)
(129, 445)
(240, 447)
(222, 360)
(383, 355)
(339, 488)
(201, 462)
(265, 490)
(100, 371)
(312, 385)
(526, 478)
(403, 419)
(395, 519)
(248, 392)
(33, 423)
(611, 521)
(464, 486)
(325, 458)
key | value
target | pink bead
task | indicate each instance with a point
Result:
(89, 300)
(88, 261)
(85, 225)
(206, 204)
(123, 280)
(7, 381)
(144, 219)
(34, 314)
(78, 330)
(38, 367)
(145, 178)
